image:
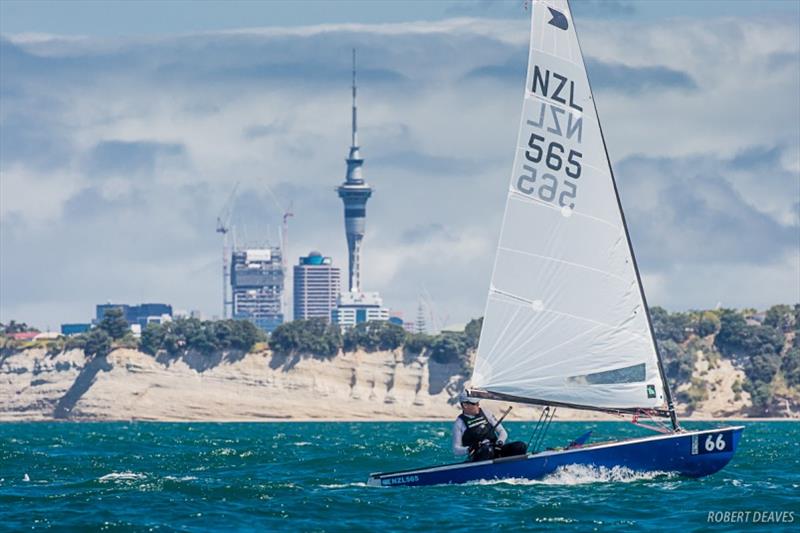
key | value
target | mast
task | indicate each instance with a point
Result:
(667, 392)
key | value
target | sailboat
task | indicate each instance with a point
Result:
(566, 321)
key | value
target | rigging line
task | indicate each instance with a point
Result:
(565, 262)
(538, 423)
(561, 313)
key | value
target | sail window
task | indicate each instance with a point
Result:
(628, 374)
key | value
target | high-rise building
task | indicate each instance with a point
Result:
(257, 283)
(353, 308)
(317, 284)
(356, 306)
(354, 193)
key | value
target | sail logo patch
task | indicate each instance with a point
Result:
(558, 20)
(651, 391)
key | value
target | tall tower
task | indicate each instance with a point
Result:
(354, 193)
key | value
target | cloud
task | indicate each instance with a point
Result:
(707, 165)
(687, 211)
(637, 79)
(133, 158)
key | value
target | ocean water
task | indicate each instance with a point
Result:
(311, 477)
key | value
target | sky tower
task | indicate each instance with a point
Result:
(354, 193)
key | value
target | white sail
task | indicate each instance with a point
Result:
(565, 319)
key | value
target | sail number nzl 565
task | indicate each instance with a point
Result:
(554, 158)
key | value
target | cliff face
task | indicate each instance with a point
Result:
(128, 384)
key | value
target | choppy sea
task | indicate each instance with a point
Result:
(312, 477)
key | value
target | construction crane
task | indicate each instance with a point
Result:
(286, 214)
(223, 228)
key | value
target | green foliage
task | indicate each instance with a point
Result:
(313, 336)
(791, 366)
(695, 394)
(472, 332)
(374, 335)
(449, 347)
(418, 342)
(98, 343)
(760, 394)
(707, 324)
(76, 342)
(737, 338)
(204, 336)
(780, 317)
(114, 323)
(678, 361)
(16, 327)
(674, 327)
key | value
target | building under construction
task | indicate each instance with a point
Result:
(257, 283)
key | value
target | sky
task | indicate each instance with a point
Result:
(125, 126)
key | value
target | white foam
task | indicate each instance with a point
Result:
(343, 485)
(580, 475)
(183, 478)
(122, 476)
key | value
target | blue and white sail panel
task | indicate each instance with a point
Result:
(565, 319)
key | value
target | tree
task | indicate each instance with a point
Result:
(678, 362)
(472, 332)
(668, 326)
(98, 343)
(449, 347)
(114, 323)
(417, 342)
(314, 336)
(780, 317)
(707, 324)
(15, 327)
(152, 339)
(374, 335)
(791, 366)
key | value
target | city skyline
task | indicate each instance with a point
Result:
(118, 151)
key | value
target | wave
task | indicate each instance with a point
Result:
(343, 485)
(121, 476)
(580, 475)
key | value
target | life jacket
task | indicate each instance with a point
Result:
(478, 429)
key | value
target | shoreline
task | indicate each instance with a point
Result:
(302, 420)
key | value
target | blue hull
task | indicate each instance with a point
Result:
(692, 454)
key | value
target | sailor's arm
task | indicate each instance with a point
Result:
(458, 432)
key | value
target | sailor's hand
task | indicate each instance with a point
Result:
(499, 444)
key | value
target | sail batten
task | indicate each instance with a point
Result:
(565, 319)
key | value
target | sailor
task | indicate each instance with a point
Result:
(473, 433)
